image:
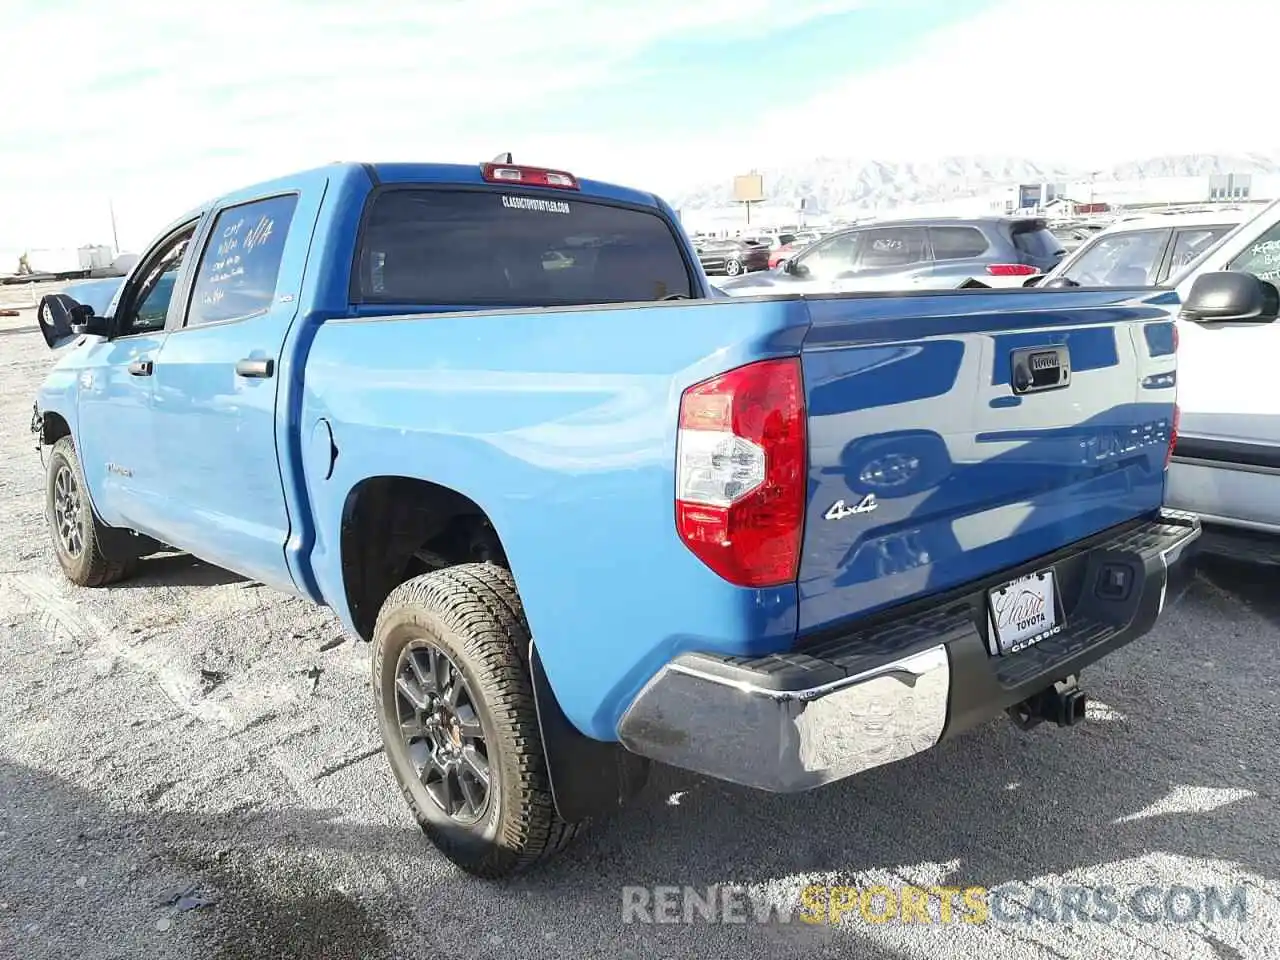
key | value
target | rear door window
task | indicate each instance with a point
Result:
(1190, 242)
(892, 247)
(957, 243)
(488, 248)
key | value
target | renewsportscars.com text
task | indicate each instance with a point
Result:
(1011, 903)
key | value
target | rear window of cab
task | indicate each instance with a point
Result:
(423, 245)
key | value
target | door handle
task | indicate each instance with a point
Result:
(259, 369)
(141, 368)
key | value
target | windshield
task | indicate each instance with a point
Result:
(485, 247)
(1119, 260)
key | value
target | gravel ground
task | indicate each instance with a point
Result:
(191, 732)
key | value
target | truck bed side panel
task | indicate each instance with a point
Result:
(561, 425)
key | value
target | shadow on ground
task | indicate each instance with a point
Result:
(1257, 585)
(179, 570)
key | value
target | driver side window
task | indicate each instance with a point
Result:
(1262, 257)
(145, 307)
(833, 256)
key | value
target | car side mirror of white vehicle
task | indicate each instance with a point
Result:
(1231, 296)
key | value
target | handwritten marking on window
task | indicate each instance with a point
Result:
(259, 234)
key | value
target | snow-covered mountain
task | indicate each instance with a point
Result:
(829, 183)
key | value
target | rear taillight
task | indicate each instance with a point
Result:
(1011, 270)
(740, 472)
(528, 176)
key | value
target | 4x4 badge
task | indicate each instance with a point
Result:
(838, 511)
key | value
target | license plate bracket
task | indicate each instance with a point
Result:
(1023, 611)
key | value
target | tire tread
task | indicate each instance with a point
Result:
(479, 605)
(94, 569)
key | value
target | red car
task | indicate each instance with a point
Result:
(790, 249)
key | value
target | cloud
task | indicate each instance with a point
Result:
(163, 104)
(1089, 82)
(158, 106)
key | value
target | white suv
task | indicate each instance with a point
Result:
(1226, 466)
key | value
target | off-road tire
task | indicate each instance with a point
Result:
(473, 613)
(88, 568)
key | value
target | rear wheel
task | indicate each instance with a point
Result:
(456, 712)
(75, 531)
(733, 267)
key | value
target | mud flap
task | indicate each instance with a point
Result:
(589, 778)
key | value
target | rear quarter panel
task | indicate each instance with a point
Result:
(561, 425)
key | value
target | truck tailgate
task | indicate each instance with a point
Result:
(956, 434)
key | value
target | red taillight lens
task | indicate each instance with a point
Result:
(1011, 270)
(740, 472)
(529, 176)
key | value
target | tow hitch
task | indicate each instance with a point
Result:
(1063, 704)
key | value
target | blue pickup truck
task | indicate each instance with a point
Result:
(591, 516)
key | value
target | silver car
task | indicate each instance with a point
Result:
(937, 253)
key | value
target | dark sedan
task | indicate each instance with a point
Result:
(732, 258)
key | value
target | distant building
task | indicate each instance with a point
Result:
(1146, 191)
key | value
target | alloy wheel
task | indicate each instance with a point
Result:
(68, 511)
(441, 731)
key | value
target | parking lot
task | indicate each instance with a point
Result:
(190, 732)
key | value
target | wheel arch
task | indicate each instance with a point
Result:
(386, 519)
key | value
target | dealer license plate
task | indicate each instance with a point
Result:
(1023, 612)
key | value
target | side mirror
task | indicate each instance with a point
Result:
(1231, 296)
(90, 324)
(1056, 283)
(63, 319)
(794, 267)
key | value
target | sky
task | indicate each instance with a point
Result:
(152, 107)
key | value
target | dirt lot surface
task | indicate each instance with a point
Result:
(191, 732)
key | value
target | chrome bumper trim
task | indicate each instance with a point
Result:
(788, 740)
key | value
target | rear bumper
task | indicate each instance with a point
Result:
(904, 682)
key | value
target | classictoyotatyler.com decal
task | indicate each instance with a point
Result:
(532, 203)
